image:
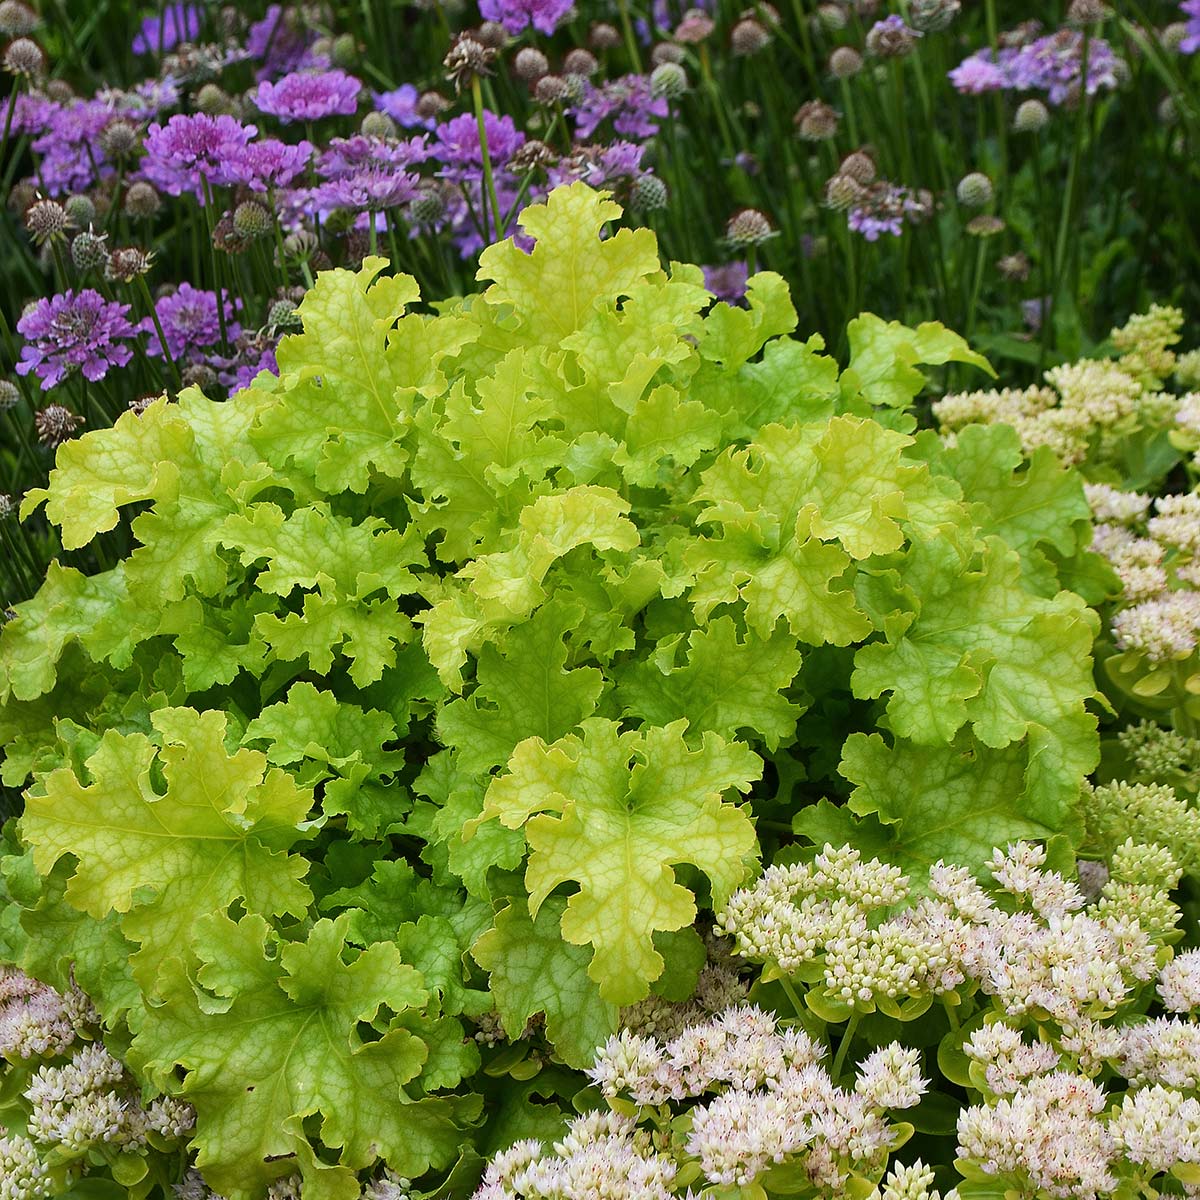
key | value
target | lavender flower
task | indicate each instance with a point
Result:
(1051, 64)
(74, 332)
(71, 157)
(628, 101)
(189, 320)
(265, 164)
(310, 95)
(163, 31)
(515, 15)
(458, 146)
(1191, 39)
(189, 150)
(727, 281)
(401, 106)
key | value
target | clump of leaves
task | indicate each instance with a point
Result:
(459, 668)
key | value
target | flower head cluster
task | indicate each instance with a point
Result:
(309, 96)
(191, 151)
(1149, 813)
(72, 332)
(516, 15)
(884, 207)
(1053, 64)
(189, 320)
(37, 1022)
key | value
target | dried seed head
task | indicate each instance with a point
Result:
(89, 250)
(1167, 111)
(974, 190)
(378, 125)
(119, 139)
(931, 16)
(54, 424)
(141, 200)
(60, 91)
(300, 244)
(1014, 267)
(1172, 36)
(666, 52)
(815, 121)
(603, 36)
(580, 62)
(1087, 12)
(860, 166)
(532, 155)
(468, 59)
(695, 27)
(252, 219)
(431, 105)
(197, 374)
(127, 263)
(648, 193)
(1031, 117)
(985, 225)
(531, 64)
(890, 38)
(551, 89)
(8, 506)
(845, 62)
(830, 17)
(213, 100)
(749, 37)
(227, 239)
(492, 34)
(23, 56)
(17, 19)
(45, 219)
(748, 227)
(668, 80)
(842, 192)
(10, 395)
(81, 212)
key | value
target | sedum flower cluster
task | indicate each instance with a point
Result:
(1087, 411)
(72, 1106)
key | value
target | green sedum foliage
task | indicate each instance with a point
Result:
(460, 669)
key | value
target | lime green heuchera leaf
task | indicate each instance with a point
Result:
(219, 832)
(532, 970)
(733, 335)
(664, 433)
(275, 1043)
(980, 649)
(570, 272)
(626, 808)
(522, 690)
(728, 683)
(946, 802)
(884, 357)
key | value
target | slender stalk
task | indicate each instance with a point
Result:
(489, 181)
(844, 1045)
(631, 46)
(144, 288)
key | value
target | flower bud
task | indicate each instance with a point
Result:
(10, 395)
(427, 207)
(283, 315)
(668, 80)
(252, 219)
(344, 51)
(378, 125)
(1032, 116)
(214, 101)
(580, 62)
(81, 212)
(974, 190)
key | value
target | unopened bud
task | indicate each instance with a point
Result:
(378, 125)
(89, 250)
(252, 219)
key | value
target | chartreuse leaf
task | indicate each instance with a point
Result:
(733, 335)
(218, 832)
(276, 1041)
(612, 813)
(884, 356)
(728, 683)
(349, 380)
(532, 970)
(522, 690)
(980, 649)
(945, 802)
(556, 287)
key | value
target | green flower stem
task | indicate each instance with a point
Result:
(790, 992)
(144, 288)
(631, 46)
(489, 181)
(216, 266)
(8, 114)
(844, 1045)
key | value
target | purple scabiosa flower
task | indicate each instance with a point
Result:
(1033, 312)
(457, 145)
(1191, 39)
(727, 281)
(32, 112)
(598, 165)
(309, 95)
(628, 101)
(401, 105)
(344, 155)
(265, 164)
(74, 332)
(515, 15)
(280, 45)
(1052, 64)
(166, 29)
(885, 208)
(189, 320)
(71, 158)
(978, 74)
(246, 372)
(365, 189)
(188, 150)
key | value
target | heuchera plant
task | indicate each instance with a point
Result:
(457, 670)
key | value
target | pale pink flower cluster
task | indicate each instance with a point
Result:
(37, 1022)
(1179, 982)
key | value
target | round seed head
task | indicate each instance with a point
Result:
(1031, 117)
(668, 80)
(932, 16)
(985, 225)
(648, 193)
(1173, 35)
(344, 51)
(860, 166)
(54, 424)
(580, 62)
(431, 105)
(845, 62)
(197, 374)
(974, 190)
(1087, 12)
(468, 59)
(81, 212)
(283, 315)
(17, 19)
(214, 101)
(60, 91)
(888, 39)
(45, 219)
(551, 89)
(831, 17)
(492, 34)
(142, 201)
(748, 227)
(1014, 267)
(427, 207)
(815, 121)
(252, 219)
(842, 192)
(89, 250)
(127, 263)
(21, 197)
(120, 138)
(378, 125)
(23, 56)
(10, 395)
(603, 36)
(666, 52)
(532, 155)
(531, 64)
(8, 506)
(749, 37)
(1168, 111)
